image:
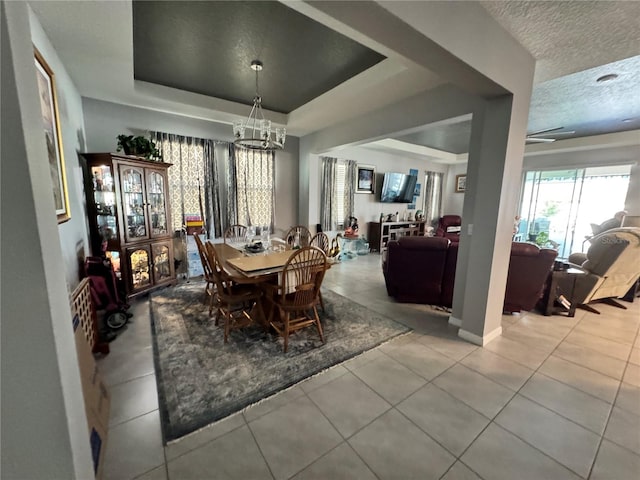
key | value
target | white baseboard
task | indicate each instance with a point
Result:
(456, 322)
(477, 340)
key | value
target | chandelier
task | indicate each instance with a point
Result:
(255, 131)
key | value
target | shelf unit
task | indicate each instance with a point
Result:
(129, 222)
(381, 233)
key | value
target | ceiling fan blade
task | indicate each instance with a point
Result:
(545, 131)
(568, 132)
(540, 140)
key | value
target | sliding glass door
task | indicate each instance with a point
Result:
(559, 206)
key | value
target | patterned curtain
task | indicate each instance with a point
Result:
(432, 197)
(232, 197)
(185, 176)
(213, 217)
(328, 188)
(254, 186)
(349, 188)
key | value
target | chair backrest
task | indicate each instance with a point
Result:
(305, 235)
(321, 240)
(415, 267)
(220, 279)
(208, 273)
(529, 267)
(302, 277)
(235, 234)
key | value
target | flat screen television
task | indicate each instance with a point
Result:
(398, 188)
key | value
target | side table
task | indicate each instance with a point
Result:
(558, 292)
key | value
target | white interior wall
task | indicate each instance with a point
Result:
(452, 201)
(73, 233)
(632, 204)
(442, 103)
(368, 207)
(105, 121)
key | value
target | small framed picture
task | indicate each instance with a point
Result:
(461, 183)
(366, 179)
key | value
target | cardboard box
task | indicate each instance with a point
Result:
(97, 401)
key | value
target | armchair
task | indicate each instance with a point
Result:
(449, 227)
(612, 266)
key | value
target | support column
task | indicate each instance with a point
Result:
(44, 426)
(493, 183)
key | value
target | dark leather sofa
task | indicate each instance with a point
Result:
(423, 269)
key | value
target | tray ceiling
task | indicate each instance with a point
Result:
(207, 47)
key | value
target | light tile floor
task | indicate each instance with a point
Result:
(552, 398)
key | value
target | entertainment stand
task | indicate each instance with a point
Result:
(381, 233)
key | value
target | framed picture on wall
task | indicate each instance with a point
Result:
(461, 183)
(51, 124)
(366, 179)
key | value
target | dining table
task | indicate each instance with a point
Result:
(250, 267)
(246, 267)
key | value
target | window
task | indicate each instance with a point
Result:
(559, 206)
(185, 176)
(339, 212)
(254, 186)
(337, 192)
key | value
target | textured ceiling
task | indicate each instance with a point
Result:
(570, 36)
(574, 103)
(207, 47)
(578, 102)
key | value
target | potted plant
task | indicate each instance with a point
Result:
(139, 146)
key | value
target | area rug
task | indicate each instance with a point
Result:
(201, 379)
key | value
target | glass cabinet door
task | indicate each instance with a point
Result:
(139, 267)
(162, 262)
(156, 198)
(133, 204)
(105, 206)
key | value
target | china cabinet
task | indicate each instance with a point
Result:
(129, 218)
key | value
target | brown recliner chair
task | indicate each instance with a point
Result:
(529, 267)
(414, 267)
(611, 266)
(449, 227)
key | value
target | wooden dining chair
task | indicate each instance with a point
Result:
(239, 305)
(235, 234)
(209, 288)
(302, 231)
(321, 240)
(296, 296)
